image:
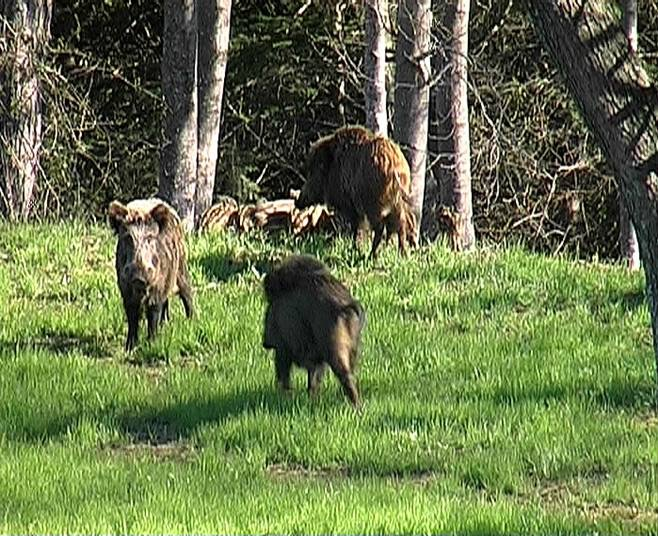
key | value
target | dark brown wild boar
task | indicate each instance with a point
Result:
(150, 262)
(362, 175)
(313, 321)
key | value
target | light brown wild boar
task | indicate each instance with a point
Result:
(312, 321)
(150, 262)
(361, 174)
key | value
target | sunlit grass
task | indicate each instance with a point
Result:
(503, 392)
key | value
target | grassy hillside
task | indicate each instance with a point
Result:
(503, 392)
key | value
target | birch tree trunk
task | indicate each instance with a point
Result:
(179, 151)
(375, 66)
(339, 7)
(412, 77)
(630, 23)
(24, 33)
(620, 104)
(628, 246)
(450, 126)
(214, 28)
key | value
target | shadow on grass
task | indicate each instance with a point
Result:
(172, 422)
(222, 268)
(628, 395)
(630, 301)
(536, 393)
(61, 343)
(623, 394)
(600, 305)
(180, 419)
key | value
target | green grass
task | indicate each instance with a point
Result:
(503, 392)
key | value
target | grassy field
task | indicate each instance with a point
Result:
(503, 392)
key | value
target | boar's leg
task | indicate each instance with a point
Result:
(153, 316)
(355, 235)
(403, 240)
(164, 317)
(283, 364)
(340, 366)
(314, 378)
(354, 221)
(185, 291)
(379, 231)
(132, 314)
(394, 225)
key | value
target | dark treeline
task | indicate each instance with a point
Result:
(537, 175)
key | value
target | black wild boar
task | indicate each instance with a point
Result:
(362, 175)
(150, 262)
(313, 321)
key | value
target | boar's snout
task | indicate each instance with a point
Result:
(304, 200)
(138, 286)
(299, 202)
(140, 275)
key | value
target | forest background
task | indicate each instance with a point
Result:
(538, 177)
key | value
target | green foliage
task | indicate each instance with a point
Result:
(103, 105)
(282, 82)
(503, 393)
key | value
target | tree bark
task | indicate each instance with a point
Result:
(450, 127)
(214, 28)
(629, 248)
(339, 7)
(412, 77)
(24, 33)
(375, 66)
(620, 104)
(179, 152)
(630, 23)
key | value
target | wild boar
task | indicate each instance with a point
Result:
(312, 321)
(362, 175)
(150, 262)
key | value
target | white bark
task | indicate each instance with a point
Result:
(24, 32)
(214, 28)
(375, 66)
(412, 77)
(628, 245)
(450, 123)
(179, 80)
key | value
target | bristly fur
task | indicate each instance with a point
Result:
(312, 321)
(150, 262)
(362, 175)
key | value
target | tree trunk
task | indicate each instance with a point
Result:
(179, 151)
(412, 78)
(629, 248)
(214, 29)
(450, 127)
(630, 23)
(620, 104)
(339, 7)
(375, 66)
(24, 32)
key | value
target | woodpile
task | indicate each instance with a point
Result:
(268, 215)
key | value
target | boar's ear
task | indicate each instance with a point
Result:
(117, 215)
(161, 214)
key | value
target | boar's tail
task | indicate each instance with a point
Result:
(404, 195)
(357, 323)
(356, 308)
